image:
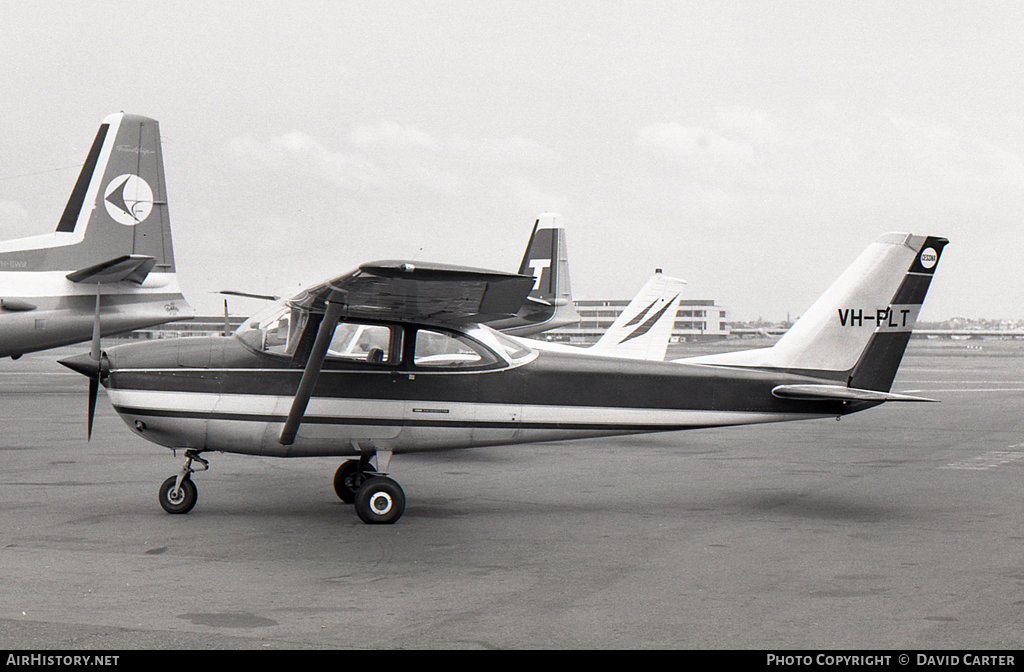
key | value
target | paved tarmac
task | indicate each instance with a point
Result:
(898, 528)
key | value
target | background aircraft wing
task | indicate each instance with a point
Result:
(407, 291)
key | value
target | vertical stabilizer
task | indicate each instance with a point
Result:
(877, 366)
(857, 331)
(547, 260)
(119, 203)
(549, 305)
(642, 330)
(108, 267)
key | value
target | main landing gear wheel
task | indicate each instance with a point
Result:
(349, 477)
(181, 500)
(380, 501)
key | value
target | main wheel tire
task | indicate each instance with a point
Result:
(380, 501)
(183, 500)
(348, 479)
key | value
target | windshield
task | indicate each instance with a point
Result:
(274, 329)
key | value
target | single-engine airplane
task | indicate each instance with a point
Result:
(109, 266)
(391, 358)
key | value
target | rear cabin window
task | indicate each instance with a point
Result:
(438, 350)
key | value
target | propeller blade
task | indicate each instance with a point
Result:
(95, 352)
(311, 372)
(94, 389)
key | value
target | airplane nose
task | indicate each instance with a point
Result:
(83, 364)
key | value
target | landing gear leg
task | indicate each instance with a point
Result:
(178, 494)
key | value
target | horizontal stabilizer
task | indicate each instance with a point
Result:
(838, 393)
(129, 267)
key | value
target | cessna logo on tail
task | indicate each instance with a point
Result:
(129, 199)
(929, 257)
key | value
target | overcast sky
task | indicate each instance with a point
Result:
(751, 148)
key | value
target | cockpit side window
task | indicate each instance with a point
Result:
(369, 343)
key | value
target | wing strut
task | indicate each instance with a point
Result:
(335, 307)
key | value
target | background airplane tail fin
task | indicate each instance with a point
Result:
(643, 329)
(119, 203)
(857, 331)
(547, 260)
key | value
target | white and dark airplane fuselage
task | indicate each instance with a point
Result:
(221, 395)
(391, 358)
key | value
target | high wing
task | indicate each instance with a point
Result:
(408, 291)
(399, 291)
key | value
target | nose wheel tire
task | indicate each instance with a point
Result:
(380, 501)
(180, 501)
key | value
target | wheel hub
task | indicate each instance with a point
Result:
(380, 503)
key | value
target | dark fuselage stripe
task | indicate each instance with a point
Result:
(457, 424)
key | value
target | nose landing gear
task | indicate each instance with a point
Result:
(178, 494)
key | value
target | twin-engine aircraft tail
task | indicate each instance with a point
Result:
(119, 203)
(117, 209)
(549, 304)
(111, 248)
(547, 260)
(857, 331)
